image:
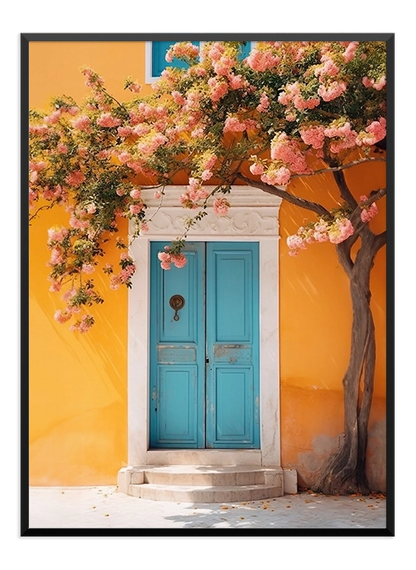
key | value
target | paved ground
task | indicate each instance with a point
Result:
(106, 508)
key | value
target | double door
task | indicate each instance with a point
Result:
(204, 348)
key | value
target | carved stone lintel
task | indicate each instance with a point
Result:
(252, 213)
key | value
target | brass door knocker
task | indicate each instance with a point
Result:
(177, 302)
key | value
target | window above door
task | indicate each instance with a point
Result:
(156, 58)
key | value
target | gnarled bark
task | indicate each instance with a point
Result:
(345, 472)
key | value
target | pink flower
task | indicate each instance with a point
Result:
(62, 316)
(340, 230)
(368, 212)
(88, 268)
(182, 50)
(218, 89)
(313, 136)
(135, 87)
(57, 233)
(221, 206)
(331, 91)
(262, 60)
(75, 178)
(135, 208)
(115, 282)
(62, 148)
(125, 131)
(56, 257)
(135, 194)
(53, 117)
(179, 260)
(107, 120)
(55, 287)
(82, 123)
(264, 103)
(295, 243)
(276, 176)
(349, 53)
(257, 168)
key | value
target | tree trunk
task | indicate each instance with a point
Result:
(345, 472)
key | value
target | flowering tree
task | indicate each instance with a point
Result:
(289, 109)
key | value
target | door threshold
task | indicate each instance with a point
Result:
(204, 457)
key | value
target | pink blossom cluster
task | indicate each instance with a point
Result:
(350, 50)
(53, 117)
(182, 50)
(57, 233)
(62, 316)
(194, 192)
(75, 178)
(125, 275)
(92, 79)
(221, 206)
(224, 65)
(261, 60)
(83, 325)
(276, 176)
(335, 231)
(149, 144)
(374, 133)
(88, 268)
(237, 81)
(292, 96)
(368, 212)
(328, 67)
(313, 136)
(54, 193)
(82, 123)
(287, 151)
(264, 103)
(257, 168)
(340, 230)
(216, 51)
(79, 219)
(346, 137)
(166, 258)
(329, 92)
(56, 256)
(234, 125)
(378, 85)
(107, 120)
(218, 88)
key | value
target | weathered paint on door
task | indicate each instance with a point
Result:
(204, 373)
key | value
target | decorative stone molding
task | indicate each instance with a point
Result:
(252, 213)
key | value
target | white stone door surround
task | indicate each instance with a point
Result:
(253, 216)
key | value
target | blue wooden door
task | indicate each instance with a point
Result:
(204, 385)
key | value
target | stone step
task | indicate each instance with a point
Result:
(204, 494)
(202, 483)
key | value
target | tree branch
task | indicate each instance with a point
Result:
(343, 188)
(339, 168)
(313, 206)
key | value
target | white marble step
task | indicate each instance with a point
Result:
(204, 494)
(202, 483)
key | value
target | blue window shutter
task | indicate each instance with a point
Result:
(245, 50)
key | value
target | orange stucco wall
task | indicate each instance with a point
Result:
(78, 384)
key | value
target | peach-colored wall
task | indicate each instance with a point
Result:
(78, 385)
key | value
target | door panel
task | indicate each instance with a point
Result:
(176, 404)
(177, 352)
(232, 345)
(204, 365)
